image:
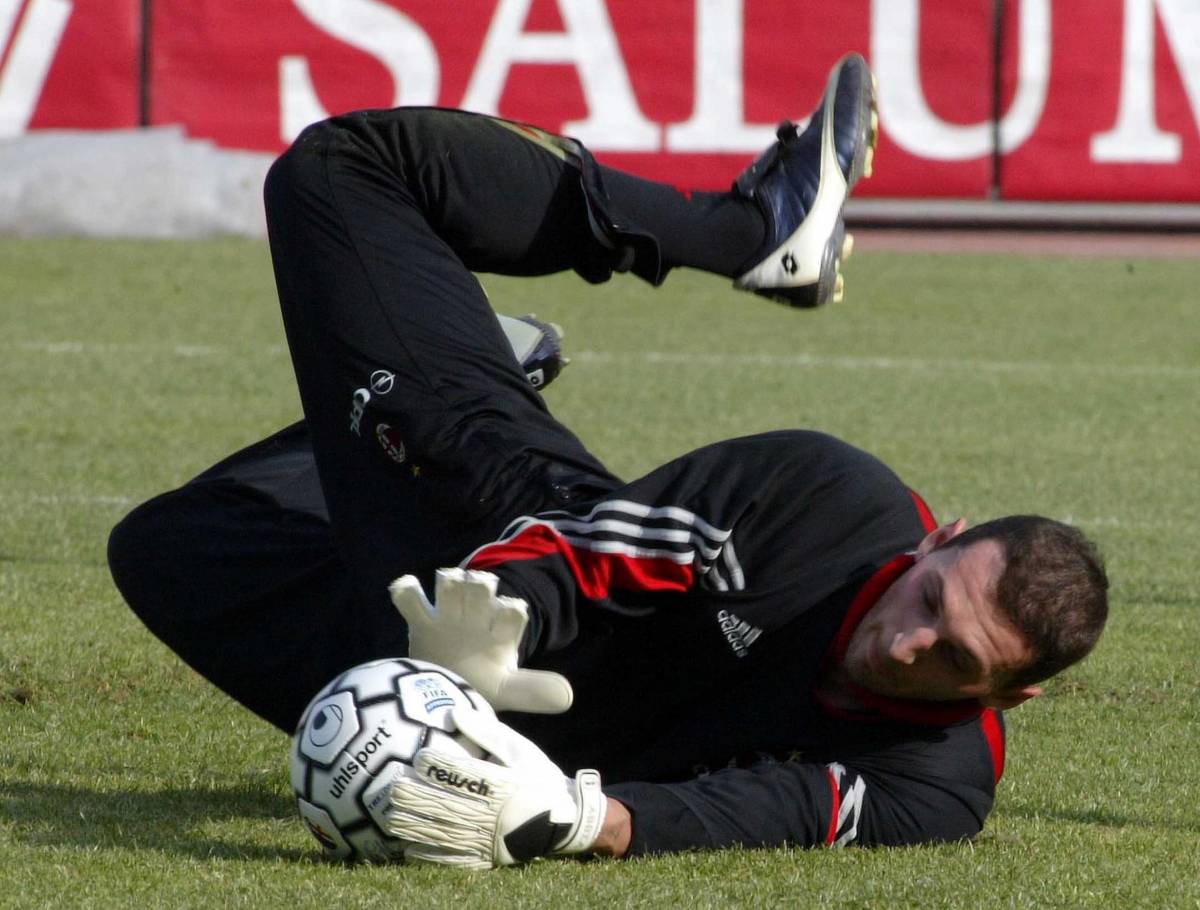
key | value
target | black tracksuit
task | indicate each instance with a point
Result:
(694, 610)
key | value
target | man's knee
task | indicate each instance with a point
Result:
(134, 548)
(155, 562)
(386, 141)
(298, 172)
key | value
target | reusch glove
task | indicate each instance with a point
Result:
(475, 633)
(476, 814)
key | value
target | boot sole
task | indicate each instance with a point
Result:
(821, 242)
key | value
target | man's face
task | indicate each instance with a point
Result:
(936, 634)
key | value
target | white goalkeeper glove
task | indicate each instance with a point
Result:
(475, 633)
(476, 814)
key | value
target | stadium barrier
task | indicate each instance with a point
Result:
(980, 100)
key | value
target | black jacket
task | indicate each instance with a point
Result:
(694, 610)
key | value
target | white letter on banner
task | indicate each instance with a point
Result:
(1136, 136)
(908, 118)
(388, 35)
(718, 119)
(31, 50)
(589, 44)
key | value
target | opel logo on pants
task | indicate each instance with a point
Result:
(382, 382)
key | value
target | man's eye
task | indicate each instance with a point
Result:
(956, 657)
(963, 662)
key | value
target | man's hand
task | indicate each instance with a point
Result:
(475, 633)
(475, 814)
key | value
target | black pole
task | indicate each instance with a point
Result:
(144, 68)
(998, 44)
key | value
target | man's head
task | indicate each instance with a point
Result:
(983, 613)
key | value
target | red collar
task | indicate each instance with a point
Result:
(881, 707)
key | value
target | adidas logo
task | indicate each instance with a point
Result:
(739, 633)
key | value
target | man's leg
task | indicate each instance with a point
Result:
(428, 436)
(239, 571)
(377, 220)
(236, 572)
(779, 232)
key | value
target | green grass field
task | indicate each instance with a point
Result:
(992, 384)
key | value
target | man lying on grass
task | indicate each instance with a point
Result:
(767, 641)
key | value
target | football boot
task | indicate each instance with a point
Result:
(537, 346)
(801, 184)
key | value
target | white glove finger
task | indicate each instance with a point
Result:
(483, 578)
(422, 813)
(432, 819)
(506, 746)
(409, 598)
(451, 590)
(427, 853)
(509, 617)
(534, 692)
(464, 786)
(479, 598)
(439, 833)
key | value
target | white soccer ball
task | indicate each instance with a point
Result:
(359, 735)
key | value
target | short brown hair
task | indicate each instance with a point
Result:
(1053, 589)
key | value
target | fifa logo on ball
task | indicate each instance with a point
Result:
(434, 693)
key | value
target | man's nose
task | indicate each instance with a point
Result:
(910, 644)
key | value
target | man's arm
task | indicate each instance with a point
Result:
(791, 509)
(617, 834)
(783, 508)
(521, 806)
(794, 803)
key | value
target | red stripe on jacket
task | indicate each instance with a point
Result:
(831, 835)
(596, 573)
(993, 732)
(923, 510)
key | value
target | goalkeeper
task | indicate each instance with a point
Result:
(767, 641)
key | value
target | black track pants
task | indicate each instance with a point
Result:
(421, 436)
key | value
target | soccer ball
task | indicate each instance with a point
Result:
(357, 736)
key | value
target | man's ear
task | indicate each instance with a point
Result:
(939, 536)
(1010, 698)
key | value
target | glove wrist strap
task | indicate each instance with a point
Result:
(593, 806)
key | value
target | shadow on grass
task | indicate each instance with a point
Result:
(166, 820)
(1099, 818)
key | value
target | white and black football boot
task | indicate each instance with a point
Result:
(801, 183)
(537, 346)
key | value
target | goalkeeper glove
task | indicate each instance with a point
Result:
(471, 813)
(475, 633)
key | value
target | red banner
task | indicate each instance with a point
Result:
(68, 64)
(1121, 110)
(935, 67)
(679, 90)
